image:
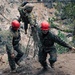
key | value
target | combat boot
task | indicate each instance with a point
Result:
(25, 31)
(52, 65)
(13, 71)
(45, 68)
(18, 63)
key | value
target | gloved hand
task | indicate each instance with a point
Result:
(13, 55)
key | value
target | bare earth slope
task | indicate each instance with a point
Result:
(66, 62)
(64, 66)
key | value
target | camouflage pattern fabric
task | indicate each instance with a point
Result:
(12, 43)
(26, 15)
(13, 39)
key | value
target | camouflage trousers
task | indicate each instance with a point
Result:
(11, 60)
(42, 56)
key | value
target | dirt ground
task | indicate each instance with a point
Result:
(31, 66)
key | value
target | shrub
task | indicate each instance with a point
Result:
(61, 49)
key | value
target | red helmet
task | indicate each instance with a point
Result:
(15, 24)
(45, 25)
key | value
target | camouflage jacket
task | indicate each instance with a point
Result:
(25, 16)
(13, 38)
(48, 40)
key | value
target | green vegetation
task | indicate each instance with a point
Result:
(65, 12)
(69, 10)
(61, 49)
(51, 22)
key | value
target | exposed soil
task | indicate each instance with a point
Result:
(66, 62)
(31, 66)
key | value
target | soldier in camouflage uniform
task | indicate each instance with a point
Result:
(46, 45)
(13, 38)
(26, 15)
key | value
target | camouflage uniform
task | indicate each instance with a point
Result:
(12, 43)
(46, 46)
(25, 16)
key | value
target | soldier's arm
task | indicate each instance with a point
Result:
(22, 6)
(31, 19)
(9, 43)
(32, 22)
(38, 34)
(19, 19)
(61, 42)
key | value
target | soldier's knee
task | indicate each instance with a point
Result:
(52, 60)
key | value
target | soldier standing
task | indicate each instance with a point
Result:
(13, 38)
